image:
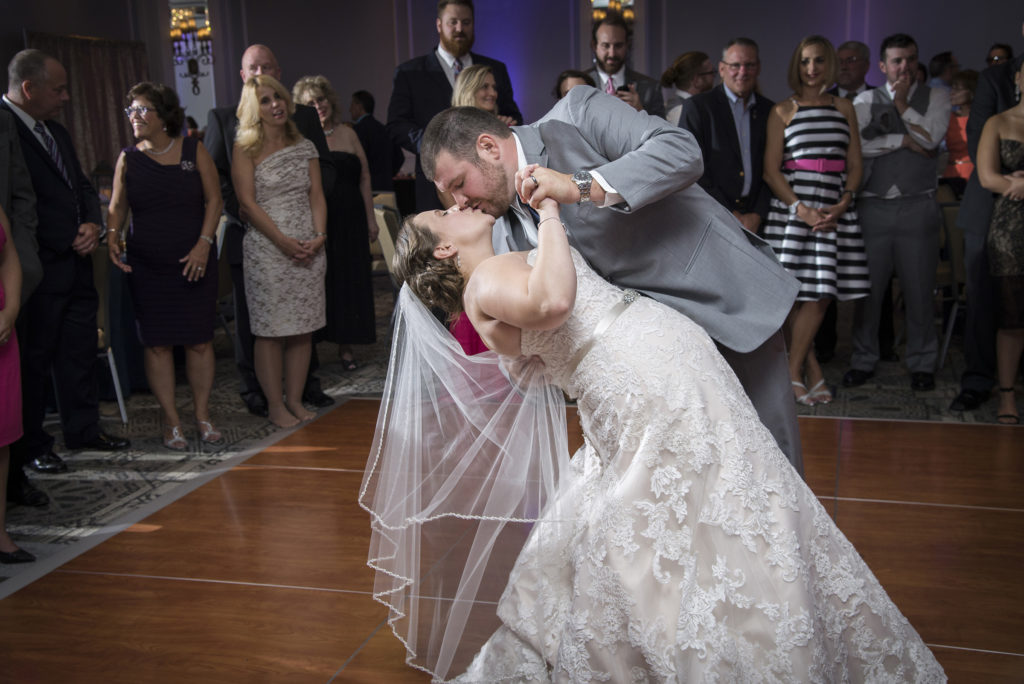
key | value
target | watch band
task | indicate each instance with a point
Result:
(583, 181)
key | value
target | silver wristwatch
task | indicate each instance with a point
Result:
(583, 179)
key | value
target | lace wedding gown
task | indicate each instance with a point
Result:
(694, 552)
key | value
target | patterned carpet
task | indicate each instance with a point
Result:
(102, 494)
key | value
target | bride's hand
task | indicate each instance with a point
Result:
(535, 183)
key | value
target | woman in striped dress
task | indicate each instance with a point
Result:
(812, 164)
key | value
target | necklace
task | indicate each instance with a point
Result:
(328, 134)
(163, 151)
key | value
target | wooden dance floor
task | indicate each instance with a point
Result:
(260, 575)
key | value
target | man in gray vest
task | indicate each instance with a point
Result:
(901, 125)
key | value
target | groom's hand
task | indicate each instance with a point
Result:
(535, 183)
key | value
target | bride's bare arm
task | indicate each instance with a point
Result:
(506, 289)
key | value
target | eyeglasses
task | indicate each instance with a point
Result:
(995, 59)
(319, 99)
(736, 66)
(141, 111)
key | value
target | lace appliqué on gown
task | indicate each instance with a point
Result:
(698, 554)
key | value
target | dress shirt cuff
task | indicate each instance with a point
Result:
(611, 197)
(882, 145)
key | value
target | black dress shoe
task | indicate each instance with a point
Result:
(855, 377)
(24, 494)
(18, 556)
(102, 442)
(922, 382)
(48, 463)
(968, 400)
(256, 403)
(317, 398)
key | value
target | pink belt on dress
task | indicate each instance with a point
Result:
(818, 165)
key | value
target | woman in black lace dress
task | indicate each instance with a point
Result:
(1001, 170)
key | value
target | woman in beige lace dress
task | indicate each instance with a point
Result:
(277, 179)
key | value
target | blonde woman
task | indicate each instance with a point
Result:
(812, 164)
(476, 87)
(351, 226)
(276, 175)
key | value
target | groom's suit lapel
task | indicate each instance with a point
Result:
(533, 147)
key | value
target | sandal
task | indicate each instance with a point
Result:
(1007, 418)
(805, 398)
(820, 393)
(176, 440)
(208, 433)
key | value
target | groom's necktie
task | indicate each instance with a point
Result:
(520, 237)
(51, 147)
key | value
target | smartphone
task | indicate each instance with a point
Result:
(623, 89)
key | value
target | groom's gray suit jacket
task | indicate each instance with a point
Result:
(669, 238)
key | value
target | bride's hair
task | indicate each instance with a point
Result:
(437, 282)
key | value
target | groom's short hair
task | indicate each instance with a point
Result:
(455, 131)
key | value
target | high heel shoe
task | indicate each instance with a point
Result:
(208, 433)
(805, 398)
(820, 394)
(174, 439)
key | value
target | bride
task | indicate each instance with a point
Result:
(678, 544)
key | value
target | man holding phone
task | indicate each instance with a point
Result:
(611, 42)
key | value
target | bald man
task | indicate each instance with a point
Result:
(219, 139)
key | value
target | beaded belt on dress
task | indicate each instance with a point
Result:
(628, 297)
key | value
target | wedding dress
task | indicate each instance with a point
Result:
(679, 545)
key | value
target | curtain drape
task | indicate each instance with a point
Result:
(100, 73)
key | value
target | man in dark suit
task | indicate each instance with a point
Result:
(58, 323)
(610, 40)
(730, 123)
(423, 87)
(219, 139)
(854, 61)
(18, 199)
(994, 94)
(383, 156)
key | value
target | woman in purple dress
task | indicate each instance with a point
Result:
(171, 186)
(10, 380)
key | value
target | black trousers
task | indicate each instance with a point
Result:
(58, 339)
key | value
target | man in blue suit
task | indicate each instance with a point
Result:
(58, 322)
(423, 87)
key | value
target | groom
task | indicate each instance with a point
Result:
(628, 185)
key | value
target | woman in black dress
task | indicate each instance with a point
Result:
(351, 226)
(171, 186)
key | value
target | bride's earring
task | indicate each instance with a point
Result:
(458, 262)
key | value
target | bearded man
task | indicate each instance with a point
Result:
(423, 87)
